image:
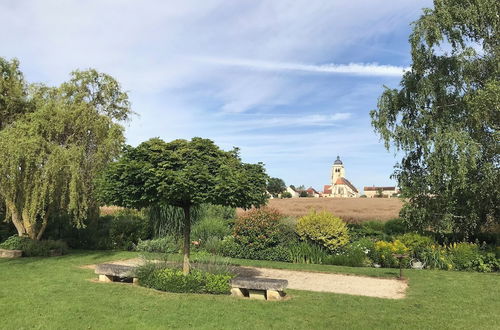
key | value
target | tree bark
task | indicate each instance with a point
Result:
(16, 218)
(187, 239)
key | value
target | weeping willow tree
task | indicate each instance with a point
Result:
(50, 155)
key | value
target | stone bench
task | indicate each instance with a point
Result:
(115, 273)
(11, 253)
(258, 288)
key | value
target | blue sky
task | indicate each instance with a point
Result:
(290, 83)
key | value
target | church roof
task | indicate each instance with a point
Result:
(337, 161)
(373, 188)
(346, 182)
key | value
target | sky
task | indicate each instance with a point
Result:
(291, 83)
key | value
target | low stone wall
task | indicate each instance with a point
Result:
(11, 253)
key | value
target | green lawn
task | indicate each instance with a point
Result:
(55, 293)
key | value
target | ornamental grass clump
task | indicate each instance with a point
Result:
(323, 228)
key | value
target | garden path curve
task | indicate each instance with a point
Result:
(320, 282)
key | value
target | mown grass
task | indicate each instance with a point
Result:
(55, 293)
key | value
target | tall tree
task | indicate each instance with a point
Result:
(276, 186)
(184, 174)
(13, 93)
(50, 156)
(445, 118)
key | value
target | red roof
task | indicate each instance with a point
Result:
(327, 189)
(311, 190)
(373, 188)
(347, 183)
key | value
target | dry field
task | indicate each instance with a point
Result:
(349, 209)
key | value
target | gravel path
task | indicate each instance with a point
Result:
(320, 282)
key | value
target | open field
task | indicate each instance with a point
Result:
(56, 293)
(349, 209)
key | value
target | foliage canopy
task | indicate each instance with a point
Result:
(52, 146)
(184, 174)
(445, 118)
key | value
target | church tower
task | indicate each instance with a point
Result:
(338, 170)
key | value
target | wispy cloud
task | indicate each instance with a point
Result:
(362, 69)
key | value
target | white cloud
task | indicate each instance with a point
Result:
(363, 69)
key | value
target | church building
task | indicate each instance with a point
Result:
(340, 186)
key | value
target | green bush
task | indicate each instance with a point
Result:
(286, 194)
(436, 257)
(323, 228)
(416, 243)
(14, 242)
(383, 253)
(127, 227)
(372, 229)
(210, 227)
(259, 229)
(228, 247)
(34, 248)
(395, 227)
(167, 244)
(173, 280)
(463, 255)
(307, 253)
(217, 212)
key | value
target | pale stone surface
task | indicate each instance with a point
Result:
(274, 295)
(259, 283)
(10, 253)
(115, 270)
(237, 292)
(257, 294)
(105, 278)
(135, 281)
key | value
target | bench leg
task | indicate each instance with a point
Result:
(274, 295)
(237, 292)
(257, 294)
(105, 278)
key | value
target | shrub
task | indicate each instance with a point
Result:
(34, 248)
(353, 255)
(259, 229)
(372, 229)
(463, 255)
(395, 227)
(14, 242)
(167, 244)
(307, 253)
(210, 227)
(324, 229)
(416, 243)
(127, 227)
(286, 194)
(217, 212)
(436, 257)
(173, 280)
(484, 263)
(383, 253)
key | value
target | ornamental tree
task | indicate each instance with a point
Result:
(184, 174)
(51, 154)
(276, 186)
(445, 118)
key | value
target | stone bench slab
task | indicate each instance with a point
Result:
(115, 270)
(11, 253)
(253, 283)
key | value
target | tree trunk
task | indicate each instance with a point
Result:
(187, 239)
(16, 218)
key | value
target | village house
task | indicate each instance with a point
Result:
(311, 192)
(384, 192)
(340, 186)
